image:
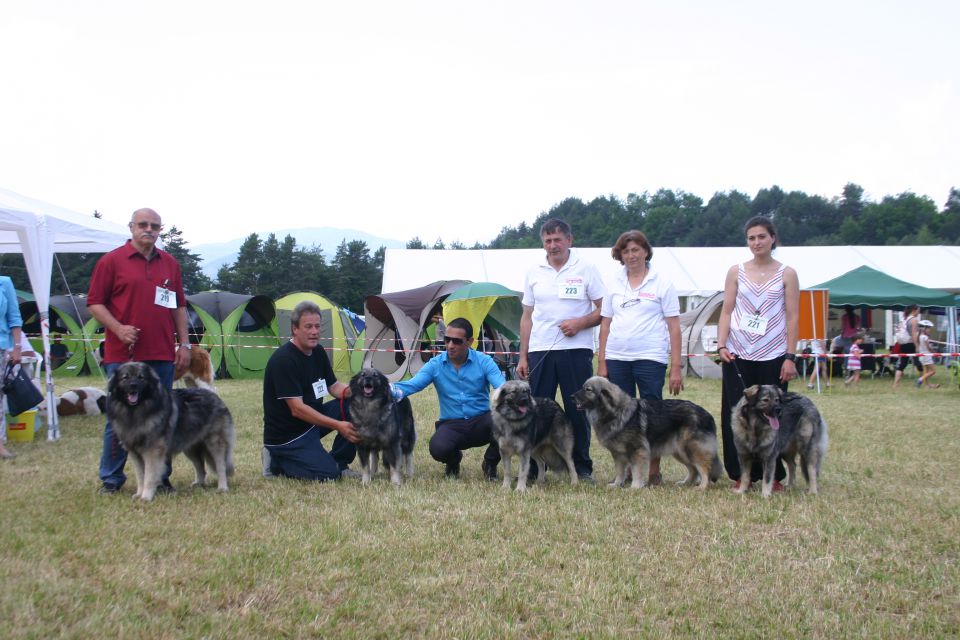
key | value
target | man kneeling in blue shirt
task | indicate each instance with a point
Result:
(463, 378)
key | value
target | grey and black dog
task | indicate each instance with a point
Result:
(768, 422)
(636, 430)
(383, 425)
(154, 424)
(530, 428)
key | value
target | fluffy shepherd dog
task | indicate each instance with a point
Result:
(767, 422)
(154, 424)
(529, 427)
(636, 430)
(383, 425)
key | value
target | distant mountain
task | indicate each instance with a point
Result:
(218, 254)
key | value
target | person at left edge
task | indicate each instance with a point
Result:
(136, 293)
(295, 417)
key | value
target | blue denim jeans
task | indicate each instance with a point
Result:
(306, 459)
(645, 375)
(114, 457)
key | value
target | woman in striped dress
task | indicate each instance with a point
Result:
(757, 332)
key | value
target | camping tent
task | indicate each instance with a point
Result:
(396, 324)
(494, 311)
(68, 316)
(865, 286)
(337, 334)
(240, 331)
(38, 230)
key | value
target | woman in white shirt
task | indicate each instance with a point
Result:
(640, 328)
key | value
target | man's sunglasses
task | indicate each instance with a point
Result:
(456, 341)
(153, 226)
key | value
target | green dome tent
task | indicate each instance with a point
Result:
(68, 316)
(243, 327)
(338, 335)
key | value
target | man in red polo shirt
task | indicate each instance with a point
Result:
(136, 293)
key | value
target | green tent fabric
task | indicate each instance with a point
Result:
(338, 335)
(246, 327)
(486, 303)
(68, 315)
(865, 286)
(494, 311)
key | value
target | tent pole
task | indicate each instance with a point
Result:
(53, 422)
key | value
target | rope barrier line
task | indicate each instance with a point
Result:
(800, 356)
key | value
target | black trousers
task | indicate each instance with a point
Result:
(567, 369)
(752, 372)
(454, 436)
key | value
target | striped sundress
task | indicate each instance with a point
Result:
(766, 300)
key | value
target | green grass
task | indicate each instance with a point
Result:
(874, 555)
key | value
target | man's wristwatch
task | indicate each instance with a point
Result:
(792, 357)
(186, 345)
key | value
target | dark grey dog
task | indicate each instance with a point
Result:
(383, 425)
(768, 423)
(636, 430)
(154, 424)
(530, 428)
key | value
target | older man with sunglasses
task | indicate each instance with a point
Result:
(463, 378)
(136, 293)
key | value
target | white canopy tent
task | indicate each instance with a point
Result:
(38, 230)
(694, 271)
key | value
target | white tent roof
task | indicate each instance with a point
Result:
(38, 230)
(692, 270)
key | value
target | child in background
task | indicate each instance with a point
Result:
(853, 362)
(929, 369)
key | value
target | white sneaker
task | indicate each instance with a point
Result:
(265, 460)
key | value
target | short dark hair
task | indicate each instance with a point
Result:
(631, 236)
(461, 323)
(555, 225)
(766, 223)
(305, 307)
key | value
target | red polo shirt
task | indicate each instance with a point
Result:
(126, 284)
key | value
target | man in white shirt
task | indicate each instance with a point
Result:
(561, 305)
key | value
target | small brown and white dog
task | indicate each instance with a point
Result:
(200, 373)
(85, 401)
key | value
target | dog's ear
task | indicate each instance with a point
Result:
(750, 393)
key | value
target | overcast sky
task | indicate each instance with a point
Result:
(453, 119)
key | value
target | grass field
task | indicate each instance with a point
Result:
(874, 555)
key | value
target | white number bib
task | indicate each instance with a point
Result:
(320, 389)
(572, 289)
(165, 298)
(755, 324)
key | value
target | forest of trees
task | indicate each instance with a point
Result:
(275, 267)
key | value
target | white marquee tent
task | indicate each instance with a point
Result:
(694, 271)
(38, 230)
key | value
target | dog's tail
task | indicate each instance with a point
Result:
(716, 469)
(822, 445)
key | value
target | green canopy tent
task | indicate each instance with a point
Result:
(243, 327)
(338, 334)
(68, 316)
(865, 286)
